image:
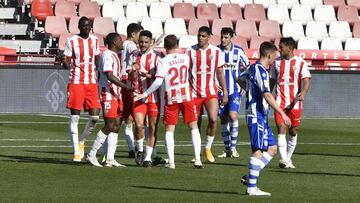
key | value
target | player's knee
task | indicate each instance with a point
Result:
(293, 131)
(212, 122)
(272, 150)
(140, 126)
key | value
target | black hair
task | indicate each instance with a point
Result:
(170, 42)
(146, 33)
(110, 38)
(205, 29)
(266, 48)
(133, 27)
(227, 30)
(289, 42)
(83, 19)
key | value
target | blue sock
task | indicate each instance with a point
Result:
(254, 171)
(234, 128)
(225, 135)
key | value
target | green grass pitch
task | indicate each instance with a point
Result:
(36, 166)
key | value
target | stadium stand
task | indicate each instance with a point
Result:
(231, 12)
(66, 9)
(175, 26)
(352, 44)
(114, 10)
(103, 26)
(195, 2)
(186, 41)
(256, 41)
(73, 25)
(207, 11)
(136, 10)
(41, 9)
(240, 41)
(254, 12)
(316, 30)
(265, 3)
(355, 3)
(270, 29)
(62, 40)
(89, 9)
(215, 40)
(185, 11)
(160, 11)
(340, 30)
(333, 44)
(348, 13)
(306, 43)
(218, 3)
(335, 3)
(301, 13)
(171, 2)
(122, 24)
(288, 3)
(124, 2)
(242, 3)
(293, 29)
(324, 13)
(356, 30)
(195, 24)
(101, 2)
(55, 26)
(218, 24)
(246, 29)
(311, 3)
(278, 12)
(153, 25)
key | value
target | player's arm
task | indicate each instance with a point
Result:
(241, 80)
(67, 62)
(221, 76)
(67, 54)
(305, 89)
(273, 76)
(271, 101)
(110, 76)
(272, 84)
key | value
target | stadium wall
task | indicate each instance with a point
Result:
(43, 90)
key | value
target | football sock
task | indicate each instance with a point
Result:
(196, 141)
(74, 134)
(209, 141)
(149, 151)
(129, 135)
(254, 171)
(140, 144)
(90, 126)
(282, 146)
(291, 145)
(112, 144)
(234, 128)
(225, 134)
(146, 131)
(265, 159)
(170, 145)
(99, 140)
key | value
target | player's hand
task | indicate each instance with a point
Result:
(242, 92)
(225, 99)
(301, 96)
(138, 97)
(286, 119)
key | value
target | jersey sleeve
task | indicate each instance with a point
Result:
(221, 59)
(262, 80)
(68, 48)
(97, 50)
(131, 48)
(243, 60)
(131, 61)
(160, 70)
(107, 62)
(305, 73)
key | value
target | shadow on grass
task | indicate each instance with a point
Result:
(323, 154)
(316, 173)
(29, 159)
(184, 190)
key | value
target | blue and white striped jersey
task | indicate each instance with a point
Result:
(235, 58)
(257, 83)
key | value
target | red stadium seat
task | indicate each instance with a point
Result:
(240, 41)
(89, 9)
(77, 2)
(355, 3)
(55, 26)
(73, 25)
(65, 9)
(254, 12)
(101, 39)
(335, 3)
(231, 12)
(270, 29)
(356, 30)
(195, 24)
(103, 26)
(184, 10)
(256, 41)
(246, 28)
(348, 13)
(62, 40)
(207, 11)
(218, 24)
(214, 40)
(41, 9)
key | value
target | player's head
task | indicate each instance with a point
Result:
(170, 42)
(268, 52)
(133, 31)
(145, 40)
(226, 35)
(203, 36)
(114, 41)
(287, 46)
(84, 26)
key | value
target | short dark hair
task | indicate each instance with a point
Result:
(288, 41)
(146, 33)
(227, 30)
(83, 19)
(133, 27)
(111, 37)
(266, 48)
(205, 29)
(170, 42)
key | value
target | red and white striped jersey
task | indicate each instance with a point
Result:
(109, 62)
(129, 47)
(203, 67)
(83, 52)
(288, 75)
(147, 63)
(174, 68)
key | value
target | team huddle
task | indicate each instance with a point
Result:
(126, 80)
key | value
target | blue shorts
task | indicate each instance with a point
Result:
(261, 136)
(232, 105)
